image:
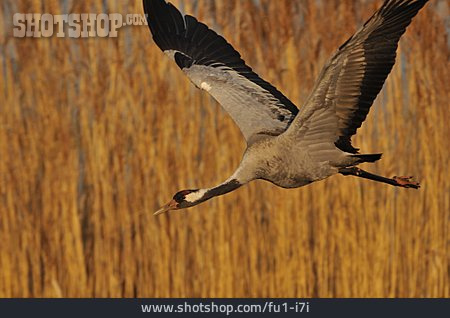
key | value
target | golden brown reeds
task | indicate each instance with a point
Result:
(95, 134)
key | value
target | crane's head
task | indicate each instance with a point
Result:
(182, 200)
(189, 198)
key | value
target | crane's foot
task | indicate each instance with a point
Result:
(406, 182)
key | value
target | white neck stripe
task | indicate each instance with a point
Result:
(195, 196)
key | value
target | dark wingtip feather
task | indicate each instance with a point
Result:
(200, 45)
(394, 17)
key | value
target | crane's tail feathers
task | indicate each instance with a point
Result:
(368, 158)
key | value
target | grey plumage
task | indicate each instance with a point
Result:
(212, 64)
(288, 147)
(351, 80)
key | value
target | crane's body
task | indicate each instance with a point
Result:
(287, 146)
(289, 165)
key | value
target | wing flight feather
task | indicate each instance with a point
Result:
(213, 65)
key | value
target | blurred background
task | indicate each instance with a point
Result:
(96, 134)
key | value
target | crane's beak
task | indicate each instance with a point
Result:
(172, 205)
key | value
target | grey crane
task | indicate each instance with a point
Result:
(287, 146)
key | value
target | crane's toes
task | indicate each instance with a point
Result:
(406, 182)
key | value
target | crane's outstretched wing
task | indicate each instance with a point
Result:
(214, 65)
(354, 76)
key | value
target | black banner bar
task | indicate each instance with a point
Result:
(290, 307)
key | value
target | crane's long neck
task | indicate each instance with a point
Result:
(203, 195)
(243, 175)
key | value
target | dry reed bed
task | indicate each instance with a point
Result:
(95, 134)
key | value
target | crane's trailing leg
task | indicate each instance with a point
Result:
(404, 182)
